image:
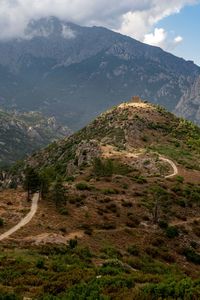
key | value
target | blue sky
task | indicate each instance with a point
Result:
(187, 25)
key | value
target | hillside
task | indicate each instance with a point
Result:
(125, 223)
(22, 134)
(133, 127)
(74, 72)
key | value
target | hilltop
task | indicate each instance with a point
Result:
(128, 129)
(125, 221)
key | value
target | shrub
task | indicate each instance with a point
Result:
(110, 191)
(152, 251)
(1, 222)
(108, 167)
(194, 244)
(73, 243)
(40, 264)
(183, 289)
(82, 186)
(163, 224)
(87, 229)
(133, 250)
(111, 252)
(13, 185)
(5, 296)
(112, 207)
(127, 204)
(139, 179)
(172, 232)
(63, 211)
(133, 220)
(70, 178)
(182, 202)
(191, 256)
(180, 179)
(108, 226)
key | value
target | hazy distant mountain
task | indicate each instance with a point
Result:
(21, 134)
(75, 72)
(189, 105)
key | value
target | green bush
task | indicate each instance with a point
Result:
(83, 186)
(133, 250)
(5, 296)
(73, 243)
(139, 179)
(184, 289)
(108, 167)
(1, 222)
(40, 264)
(64, 211)
(110, 191)
(163, 224)
(172, 232)
(192, 256)
(180, 179)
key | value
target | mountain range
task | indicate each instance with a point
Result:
(74, 73)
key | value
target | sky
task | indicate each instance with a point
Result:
(170, 24)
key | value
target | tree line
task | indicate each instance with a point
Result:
(45, 182)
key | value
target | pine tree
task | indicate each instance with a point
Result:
(58, 193)
(31, 182)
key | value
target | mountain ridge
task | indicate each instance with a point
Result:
(77, 77)
(131, 127)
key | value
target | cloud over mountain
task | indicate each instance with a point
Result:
(135, 18)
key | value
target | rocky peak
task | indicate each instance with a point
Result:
(49, 27)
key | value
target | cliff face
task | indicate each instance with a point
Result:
(189, 105)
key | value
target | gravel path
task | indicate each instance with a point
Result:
(25, 220)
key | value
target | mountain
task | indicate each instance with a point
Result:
(125, 221)
(134, 126)
(21, 134)
(74, 73)
(189, 105)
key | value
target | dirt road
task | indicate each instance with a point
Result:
(24, 221)
(172, 164)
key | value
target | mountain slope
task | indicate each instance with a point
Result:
(75, 72)
(118, 226)
(189, 105)
(134, 127)
(21, 134)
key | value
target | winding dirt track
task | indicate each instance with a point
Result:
(172, 164)
(25, 220)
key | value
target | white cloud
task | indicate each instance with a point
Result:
(67, 32)
(178, 39)
(135, 18)
(159, 37)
